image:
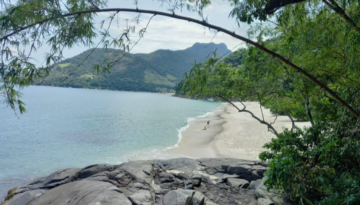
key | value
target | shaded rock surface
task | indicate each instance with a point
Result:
(237, 183)
(160, 182)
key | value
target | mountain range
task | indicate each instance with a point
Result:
(156, 71)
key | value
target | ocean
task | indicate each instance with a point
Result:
(73, 128)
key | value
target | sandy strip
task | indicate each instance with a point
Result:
(230, 134)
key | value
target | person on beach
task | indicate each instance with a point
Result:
(208, 123)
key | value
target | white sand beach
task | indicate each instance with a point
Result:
(230, 134)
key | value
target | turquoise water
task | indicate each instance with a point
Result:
(66, 127)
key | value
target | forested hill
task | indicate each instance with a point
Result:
(161, 69)
(234, 59)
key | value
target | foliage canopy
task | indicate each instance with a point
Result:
(318, 165)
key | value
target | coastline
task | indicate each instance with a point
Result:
(231, 134)
(198, 143)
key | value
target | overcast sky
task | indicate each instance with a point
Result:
(164, 32)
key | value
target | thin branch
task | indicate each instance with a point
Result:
(270, 127)
(260, 106)
(103, 38)
(144, 30)
(334, 51)
(339, 75)
(293, 126)
(242, 104)
(334, 6)
(204, 23)
(308, 112)
(274, 120)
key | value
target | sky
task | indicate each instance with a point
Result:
(164, 32)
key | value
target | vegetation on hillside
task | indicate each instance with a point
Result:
(134, 72)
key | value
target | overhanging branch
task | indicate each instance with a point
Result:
(269, 125)
(203, 23)
(334, 6)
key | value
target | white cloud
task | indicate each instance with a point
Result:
(167, 33)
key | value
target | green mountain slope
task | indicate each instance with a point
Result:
(134, 72)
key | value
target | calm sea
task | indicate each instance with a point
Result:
(66, 127)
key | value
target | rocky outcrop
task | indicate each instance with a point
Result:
(167, 182)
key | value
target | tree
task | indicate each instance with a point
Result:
(302, 62)
(319, 164)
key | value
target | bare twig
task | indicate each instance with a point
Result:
(260, 106)
(308, 111)
(103, 38)
(293, 126)
(144, 30)
(242, 104)
(269, 125)
(337, 74)
(274, 120)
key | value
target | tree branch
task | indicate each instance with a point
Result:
(293, 126)
(242, 104)
(260, 106)
(308, 112)
(204, 23)
(269, 125)
(334, 6)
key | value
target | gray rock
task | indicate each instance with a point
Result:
(260, 170)
(255, 175)
(141, 197)
(139, 182)
(265, 201)
(95, 169)
(196, 180)
(228, 164)
(189, 184)
(262, 192)
(211, 171)
(138, 185)
(231, 169)
(122, 178)
(243, 169)
(165, 177)
(254, 184)
(55, 179)
(178, 197)
(81, 193)
(237, 183)
(226, 176)
(27, 197)
(196, 176)
(247, 177)
(185, 165)
(138, 170)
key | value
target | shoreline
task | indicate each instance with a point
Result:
(196, 142)
(134, 91)
(231, 134)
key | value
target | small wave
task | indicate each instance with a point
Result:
(190, 119)
(160, 153)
